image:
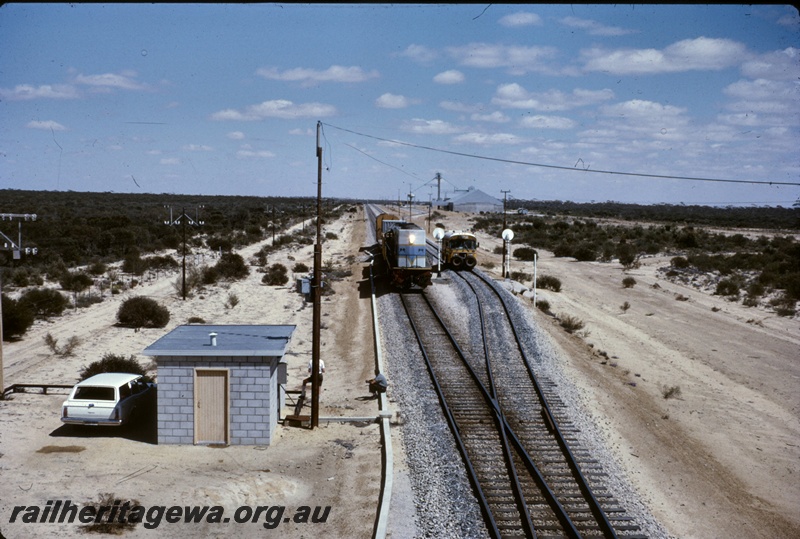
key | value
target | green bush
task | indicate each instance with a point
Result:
(44, 302)
(138, 312)
(543, 305)
(232, 266)
(75, 282)
(628, 282)
(113, 363)
(679, 262)
(727, 287)
(571, 324)
(300, 268)
(276, 275)
(548, 282)
(17, 319)
(525, 253)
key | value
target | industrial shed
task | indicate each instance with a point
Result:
(220, 384)
(473, 201)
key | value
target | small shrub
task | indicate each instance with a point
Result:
(86, 300)
(233, 301)
(275, 275)
(679, 262)
(17, 318)
(116, 526)
(63, 351)
(543, 305)
(331, 236)
(44, 302)
(525, 253)
(671, 392)
(300, 268)
(628, 282)
(140, 312)
(75, 282)
(549, 282)
(232, 266)
(625, 306)
(113, 363)
(521, 276)
(681, 297)
(571, 324)
(727, 287)
(196, 320)
(97, 268)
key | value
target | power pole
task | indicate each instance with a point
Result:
(16, 248)
(182, 220)
(505, 194)
(317, 289)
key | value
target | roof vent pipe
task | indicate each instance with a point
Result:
(213, 337)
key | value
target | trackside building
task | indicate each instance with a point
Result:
(220, 384)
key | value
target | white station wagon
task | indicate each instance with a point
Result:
(106, 399)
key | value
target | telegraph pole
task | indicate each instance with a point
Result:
(16, 248)
(182, 220)
(317, 289)
(505, 194)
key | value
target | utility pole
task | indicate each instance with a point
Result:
(317, 289)
(438, 186)
(16, 248)
(182, 220)
(505, 194)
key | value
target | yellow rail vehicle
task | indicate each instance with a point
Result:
(458, 250)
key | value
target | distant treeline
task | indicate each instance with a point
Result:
(736, 217)
(77, 228)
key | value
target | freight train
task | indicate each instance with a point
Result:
(405, 251)
(458, 250)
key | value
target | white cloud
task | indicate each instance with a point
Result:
(308, 77)
(47, 124)
(521, 19)
(452, 76)
(595, 28)
(197, 148)
(278, 108)
(516, 59)
(515, 96)
(105, 81)
(687, 55)
(235, 135)
(419, 53)
(639, 109)
(430, 127)
(392, 101)
(776, 65)
(547, 122)
(23, 92)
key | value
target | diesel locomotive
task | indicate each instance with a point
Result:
(405, 251)
(458, 250)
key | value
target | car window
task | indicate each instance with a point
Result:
(124, 391)
(95, 393)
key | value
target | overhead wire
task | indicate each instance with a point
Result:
(558, 167)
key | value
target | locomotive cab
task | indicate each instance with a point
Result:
(459, 250)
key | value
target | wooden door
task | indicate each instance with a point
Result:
(210, 406)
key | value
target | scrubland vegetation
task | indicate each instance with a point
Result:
(758, 266)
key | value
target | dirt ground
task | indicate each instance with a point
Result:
(719, 460)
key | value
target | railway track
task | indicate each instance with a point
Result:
(520, 451)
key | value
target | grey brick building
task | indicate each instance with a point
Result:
(220, 384)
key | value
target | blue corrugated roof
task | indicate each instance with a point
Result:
(231, 340)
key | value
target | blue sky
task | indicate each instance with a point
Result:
(225, 99)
